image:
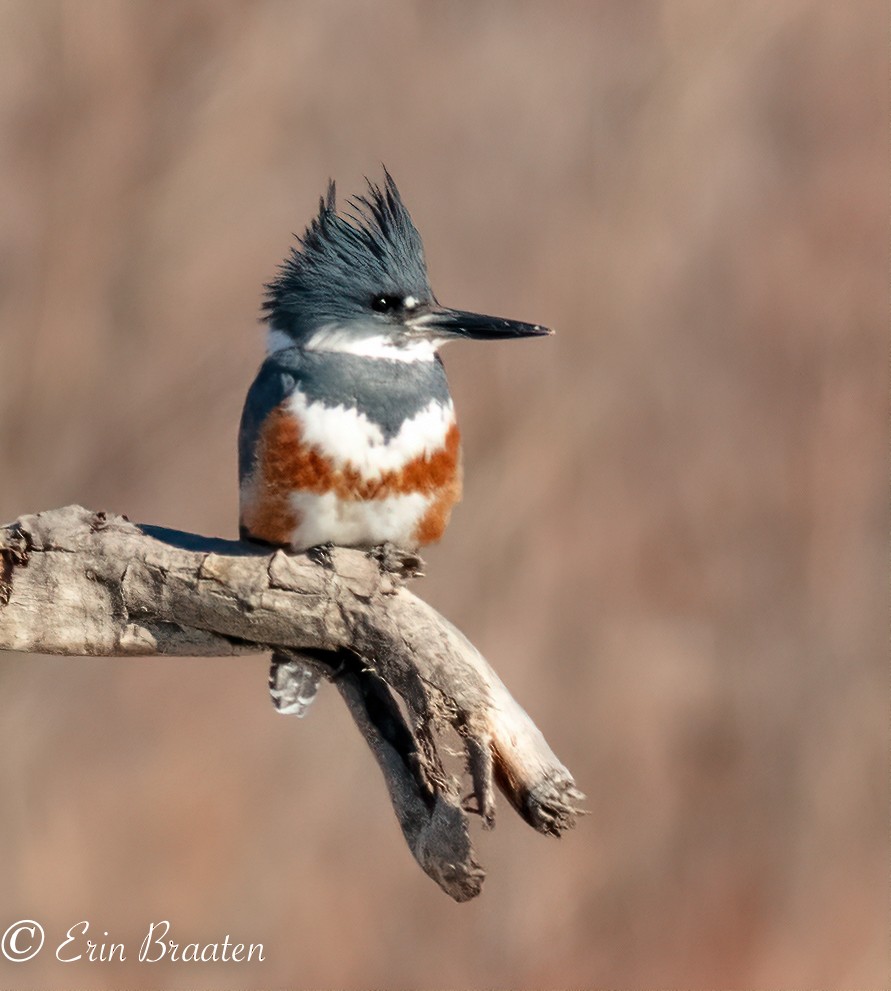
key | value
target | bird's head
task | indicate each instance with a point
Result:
(358, 283)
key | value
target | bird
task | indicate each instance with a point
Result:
(348, 435)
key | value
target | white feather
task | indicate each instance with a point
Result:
(348, 437)
(351, 340)
(350, 522)
(373, 344)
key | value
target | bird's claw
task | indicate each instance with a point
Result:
(395, 560)
(321, 554)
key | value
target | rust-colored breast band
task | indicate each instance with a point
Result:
(285, 464)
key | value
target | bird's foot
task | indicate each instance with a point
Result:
(321, 554)
(395, 560)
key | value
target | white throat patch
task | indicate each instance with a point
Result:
(335, 338)
(345, 341)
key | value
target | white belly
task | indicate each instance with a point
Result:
(355, 523)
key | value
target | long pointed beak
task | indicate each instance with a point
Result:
(439, 321)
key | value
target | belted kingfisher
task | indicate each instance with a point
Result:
(348, 434)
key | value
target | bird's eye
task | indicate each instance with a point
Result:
(386, 303)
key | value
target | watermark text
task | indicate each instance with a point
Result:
(23, 940)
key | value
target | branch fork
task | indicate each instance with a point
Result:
(76, 582)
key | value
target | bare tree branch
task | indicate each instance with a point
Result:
(82, 583)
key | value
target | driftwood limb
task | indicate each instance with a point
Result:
(82, 583)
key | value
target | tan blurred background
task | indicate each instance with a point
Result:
(672, 540)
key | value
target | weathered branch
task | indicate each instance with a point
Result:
(83, 583)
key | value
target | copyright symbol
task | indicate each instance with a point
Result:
(22, 940)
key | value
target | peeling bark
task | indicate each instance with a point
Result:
(76, 582)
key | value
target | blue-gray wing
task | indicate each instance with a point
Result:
(292, 684)
(275, 381)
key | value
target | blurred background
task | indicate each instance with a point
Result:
(672, 540)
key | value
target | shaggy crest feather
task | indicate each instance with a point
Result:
(344, 261)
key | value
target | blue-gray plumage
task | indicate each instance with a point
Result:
(387, 392)
(348, 434)
(340, 266)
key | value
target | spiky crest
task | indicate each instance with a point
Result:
(343, 261)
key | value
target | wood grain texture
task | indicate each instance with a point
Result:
(76, 582)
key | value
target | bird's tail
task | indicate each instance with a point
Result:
(293, 683)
